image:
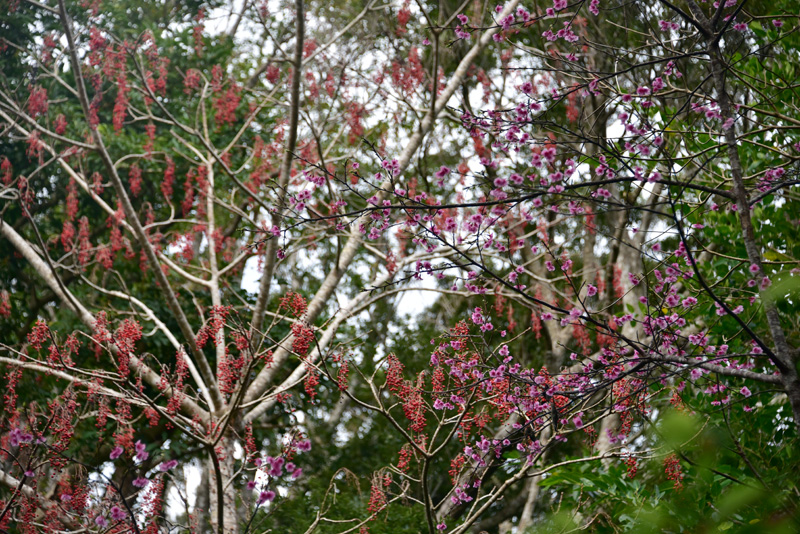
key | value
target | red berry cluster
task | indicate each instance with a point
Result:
(394, 377)
(197, 32)
(121, 102)
(37, 103)
(10, 395)
(168, 181)
(229, 372)
(124, 434)
(225, 105)
(303, 336)
(677, 401)
(150, 132)
(38, 334)
(293, 302)
(672, 468)
(84, 245)
(456, 464)
(438, 380)
(311, 383)
(407, 75)
(377, 497)
(216, 321)
(403, 16)
(152, 505)
(135, 179)
(125, 337)
(97, 43)
(414, 409)
(404, 462)
(7, 170)
(616, 283)
(632, 466)
(191, 81)
(249, 442)
(629, 398)
(342, 375)
(152, 416)
(181, 371)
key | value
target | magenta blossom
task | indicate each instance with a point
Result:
(117, 514)
(166, 466)
(265, 496)
(141, 453)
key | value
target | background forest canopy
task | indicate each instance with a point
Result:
(399, 266)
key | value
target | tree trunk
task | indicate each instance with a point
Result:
(224, 480)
